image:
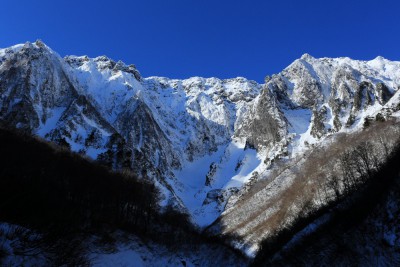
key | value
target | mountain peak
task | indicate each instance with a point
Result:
(306, 56)
(380, 58)
(40, 43)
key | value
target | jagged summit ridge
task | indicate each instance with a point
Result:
(200, 139)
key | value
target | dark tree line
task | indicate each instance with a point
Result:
(41, 186)
(66, 198)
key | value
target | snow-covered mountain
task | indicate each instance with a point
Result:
(201, 139)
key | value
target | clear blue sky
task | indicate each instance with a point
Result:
(183, 38)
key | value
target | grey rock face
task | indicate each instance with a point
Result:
(318, 128)
(27, 94)
(34, 86)
(383, 93)
(151, 149)
(266, 124)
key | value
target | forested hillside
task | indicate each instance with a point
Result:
(59, 201)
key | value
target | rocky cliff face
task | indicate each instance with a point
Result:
(201, 140)
(27, 95)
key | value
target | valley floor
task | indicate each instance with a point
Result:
(117, 249)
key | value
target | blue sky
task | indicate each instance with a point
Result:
(180, 39)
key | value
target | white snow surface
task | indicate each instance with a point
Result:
(10, 241)
(51, 122)
(130, 250)
(192, 177)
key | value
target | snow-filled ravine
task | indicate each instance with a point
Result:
(234, 166)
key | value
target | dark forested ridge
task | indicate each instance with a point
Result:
(67, 199)
(41, 186)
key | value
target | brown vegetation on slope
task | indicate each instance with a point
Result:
(306, 183)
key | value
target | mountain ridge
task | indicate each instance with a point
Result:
(200, 139)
